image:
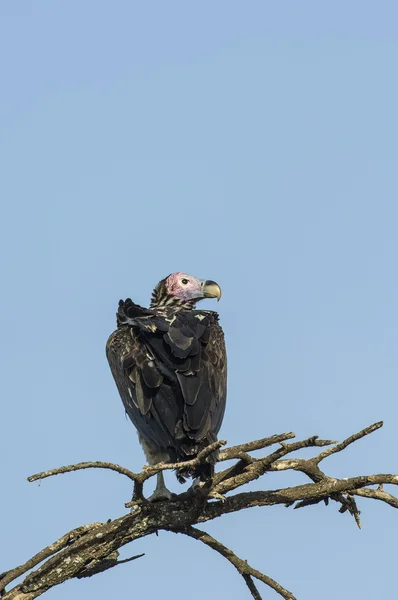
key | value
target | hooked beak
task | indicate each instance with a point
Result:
(211, 289)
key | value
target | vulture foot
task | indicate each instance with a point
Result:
(161, 492)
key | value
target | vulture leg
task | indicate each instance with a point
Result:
(161, 492)
(154, 457)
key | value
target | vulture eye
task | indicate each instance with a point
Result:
(184, 281)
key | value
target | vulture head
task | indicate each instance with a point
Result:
(181, 288)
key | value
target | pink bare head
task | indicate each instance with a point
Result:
(185, 288)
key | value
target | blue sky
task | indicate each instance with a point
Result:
(250, 143)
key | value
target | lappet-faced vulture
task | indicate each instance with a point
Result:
(169, 364)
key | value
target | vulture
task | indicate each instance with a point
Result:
(169, 365)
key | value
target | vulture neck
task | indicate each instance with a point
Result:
(162, 299)
(171, 302)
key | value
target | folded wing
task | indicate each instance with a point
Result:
(170, 370)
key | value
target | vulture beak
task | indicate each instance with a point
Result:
(211, 289)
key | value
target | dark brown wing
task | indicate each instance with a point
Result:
(170, 370)
(150, 402)
(205, 392)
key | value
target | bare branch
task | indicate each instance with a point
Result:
(234, 451)
(252, 586)
(309, 491)
(241, 565)
(353, 438)
(83, 465)
(377, 495)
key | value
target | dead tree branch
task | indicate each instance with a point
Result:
(83, 465)
(91, 549)
(247, 572)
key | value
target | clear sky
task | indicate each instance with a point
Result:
(253, 143)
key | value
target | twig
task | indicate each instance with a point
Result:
(252, 586)
(377, 495)
(353, 438)
(233, 451)
(304, 503)
(150, 470)
(99, 566)
(84, 465)
(347, 504)
(126, 560)
(241, 565)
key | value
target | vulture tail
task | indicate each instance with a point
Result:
(204, 471)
